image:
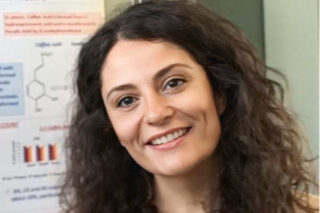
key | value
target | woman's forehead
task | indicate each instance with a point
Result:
(132, 57)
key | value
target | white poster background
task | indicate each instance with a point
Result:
(39, 43)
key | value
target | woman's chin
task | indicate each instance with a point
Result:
(173, 170)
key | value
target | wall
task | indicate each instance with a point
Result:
(291, 46)
(246, 14)
(112, 5)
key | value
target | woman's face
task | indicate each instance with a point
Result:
(161, 106)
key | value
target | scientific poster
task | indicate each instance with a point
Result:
(39, 43)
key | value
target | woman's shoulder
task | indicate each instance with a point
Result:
(311, 199)
(314, 201)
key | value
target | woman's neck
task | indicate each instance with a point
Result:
(190, 192)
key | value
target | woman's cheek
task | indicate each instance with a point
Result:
(125, 126)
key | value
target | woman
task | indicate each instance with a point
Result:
(175, 114)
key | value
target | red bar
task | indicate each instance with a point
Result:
(40, 153)
(27, 154)
(53, 152)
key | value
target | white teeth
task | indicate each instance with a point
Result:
(175, 134)
(169, 137)
(163, 139)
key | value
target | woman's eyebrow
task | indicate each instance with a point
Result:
(157, 76)
(119, 88)
(166, 69)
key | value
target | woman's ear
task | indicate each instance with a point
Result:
(221, 103)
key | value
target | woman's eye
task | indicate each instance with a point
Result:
(173, 83)
(126, 101)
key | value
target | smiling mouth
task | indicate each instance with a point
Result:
(169, 137)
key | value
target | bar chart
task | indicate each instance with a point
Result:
(35, 153)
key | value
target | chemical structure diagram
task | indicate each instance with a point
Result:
(36, 89)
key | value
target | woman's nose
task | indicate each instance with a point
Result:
(157, 109)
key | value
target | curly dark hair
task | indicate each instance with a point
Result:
(263, 168)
